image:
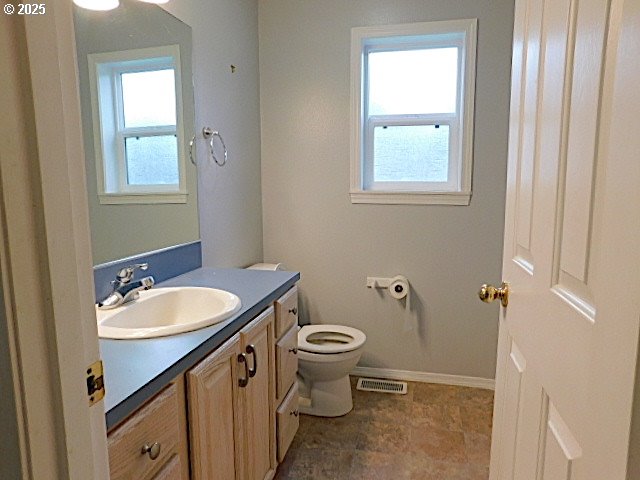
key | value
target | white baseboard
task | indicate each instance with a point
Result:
(426, 377)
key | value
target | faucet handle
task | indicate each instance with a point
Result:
(126, 274)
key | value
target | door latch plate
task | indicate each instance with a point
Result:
(95, 382)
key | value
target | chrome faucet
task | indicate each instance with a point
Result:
(124, 289)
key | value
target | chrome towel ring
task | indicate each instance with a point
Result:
(210, 134)
(193, 140)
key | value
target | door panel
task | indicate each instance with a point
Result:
(588, 24)
(563, 359)
(586, 28)
(561, 448)
(526, 148)
(510, 407)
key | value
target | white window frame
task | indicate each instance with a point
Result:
(457, 190)
(108, 125)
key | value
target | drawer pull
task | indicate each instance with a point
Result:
(243, 382)
(294, 351)
(294, 310)
(152, 450)
(251, 350)
(295, 413)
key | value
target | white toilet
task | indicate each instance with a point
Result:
(326, 355)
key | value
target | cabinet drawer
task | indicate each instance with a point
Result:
(157, 421)
(286, 361)
(286, 311)
(288, 421)
(171, 471)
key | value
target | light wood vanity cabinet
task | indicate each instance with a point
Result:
(152, 443)
(287, 362)
(215, 414)
(286, 371)
(258, 398)
(172, 470)
(287, 421)
(240, 403)
(230, 399)
(286, 311)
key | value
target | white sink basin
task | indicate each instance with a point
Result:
(166, 311)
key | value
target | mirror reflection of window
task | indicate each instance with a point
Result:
(148, 98)
(149, 127)
(149, 221)
(139, 122)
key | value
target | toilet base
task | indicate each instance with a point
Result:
(328, 399)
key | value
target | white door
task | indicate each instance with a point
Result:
(49, 329)
(568, 338)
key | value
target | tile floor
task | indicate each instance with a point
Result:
(434, 432)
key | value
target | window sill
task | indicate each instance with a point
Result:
(411, 198)
(141, 198)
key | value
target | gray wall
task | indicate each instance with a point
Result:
(447, 252)
(119, 231)
(225, 33)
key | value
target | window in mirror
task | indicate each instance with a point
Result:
(138, 125)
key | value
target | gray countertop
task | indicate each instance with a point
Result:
(135, 370)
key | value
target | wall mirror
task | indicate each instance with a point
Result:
(137, 101)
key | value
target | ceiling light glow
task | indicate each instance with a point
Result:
(100, 5)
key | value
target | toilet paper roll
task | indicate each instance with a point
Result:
(399, 287)
(266, 266)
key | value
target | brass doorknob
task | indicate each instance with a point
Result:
(489, 293)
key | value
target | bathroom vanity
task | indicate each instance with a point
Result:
(216, 403)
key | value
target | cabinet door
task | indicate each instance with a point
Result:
(215, 415)
(259, 397)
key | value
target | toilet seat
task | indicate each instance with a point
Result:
(326, 339)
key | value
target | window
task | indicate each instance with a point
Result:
(412, 113)
(137, 121)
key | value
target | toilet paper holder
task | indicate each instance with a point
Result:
(379, 282)
(398, 286)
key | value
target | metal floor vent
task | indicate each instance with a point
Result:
(383, 386)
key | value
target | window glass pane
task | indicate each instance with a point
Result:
(416, 153)
(413, 81)
(152, 160)
(149, 98)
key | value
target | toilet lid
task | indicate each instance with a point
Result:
(329, 339)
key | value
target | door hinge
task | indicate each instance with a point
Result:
(95, 382)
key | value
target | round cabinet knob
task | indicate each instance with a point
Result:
(295, 413)
(294, 351)
(489, 293)
(294, 310)
(152, 450)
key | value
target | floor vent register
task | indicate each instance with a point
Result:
(381, 386)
